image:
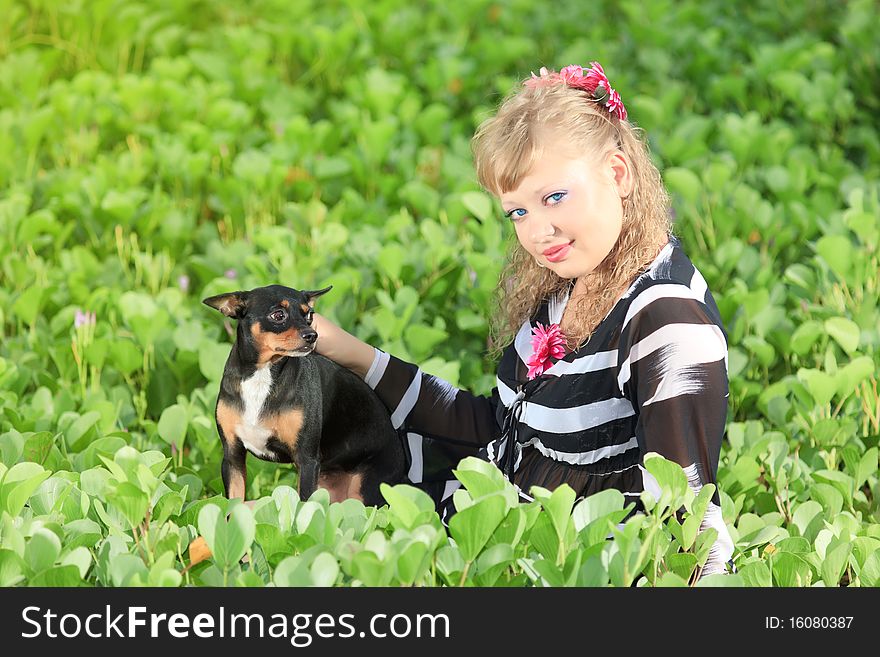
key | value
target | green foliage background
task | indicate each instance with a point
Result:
(155, 153)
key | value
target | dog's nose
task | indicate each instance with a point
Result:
(309, 335)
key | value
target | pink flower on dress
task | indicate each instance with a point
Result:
(547, 342)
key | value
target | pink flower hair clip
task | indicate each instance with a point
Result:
(592, 80)
(547, 342)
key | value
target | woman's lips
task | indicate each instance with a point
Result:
(557, 253)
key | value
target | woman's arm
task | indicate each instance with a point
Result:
(415, 400)
(674, 371)
(342, 347)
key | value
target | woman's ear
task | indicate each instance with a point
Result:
(621, 172)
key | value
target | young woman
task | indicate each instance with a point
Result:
(614, 344)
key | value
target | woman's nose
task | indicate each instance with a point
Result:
(543, 231)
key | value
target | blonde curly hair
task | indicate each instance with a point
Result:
(507, 145)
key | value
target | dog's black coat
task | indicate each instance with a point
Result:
(344, 430)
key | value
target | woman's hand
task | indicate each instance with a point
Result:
(342, 347)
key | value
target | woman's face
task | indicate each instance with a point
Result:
(567, 210)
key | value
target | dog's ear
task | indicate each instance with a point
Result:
(231, 304)
(311, 295)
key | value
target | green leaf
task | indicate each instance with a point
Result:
(42, 549)
(272, 541)
(409, 506)
(58, 576)
(841, 481)
(868, 465)
(852, 374)
(682, 564)
(80, 557)
(11, 568)
(597, 506)
(228, 540)
(27, 305)
(511, 529)
(670, 478)
(790, 570)
(492, 562)
(212, 360)
(131, 501)
(756, 574)
(544, 538)
(412, 562)
(804, 514)
(173, 424)
(672, 579)
(170, 504)
(691, 525)
(870, 572)
(844, 331)
(472, 527)
(126, 356)
(821, 385)
(721, 580)
(391, 259)
(479, 204)
(829, 497)
(836, 250)
(834, 563)
(683, 182)
(127, 567)
(805, 336)
(80, 431)
(17, 485)
(558, 505)
(85, 532)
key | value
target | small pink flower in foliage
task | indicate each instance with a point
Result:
(547, 342)
(84, 318)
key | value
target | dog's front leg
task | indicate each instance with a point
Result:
(234, 468)
(309, 471)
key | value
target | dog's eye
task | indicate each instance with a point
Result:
(278, 316)
(309, 316)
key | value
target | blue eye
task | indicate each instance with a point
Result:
(515, 213)
(556, 197)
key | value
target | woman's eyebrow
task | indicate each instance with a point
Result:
(541, 191)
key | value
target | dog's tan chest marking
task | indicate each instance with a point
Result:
(286, 426)
(252, 427)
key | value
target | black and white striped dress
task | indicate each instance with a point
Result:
(651, 378)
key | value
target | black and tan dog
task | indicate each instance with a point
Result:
(281, 402)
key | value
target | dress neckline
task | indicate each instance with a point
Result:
(557, 304)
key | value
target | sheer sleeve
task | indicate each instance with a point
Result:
(674, 372)
(427, 404)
